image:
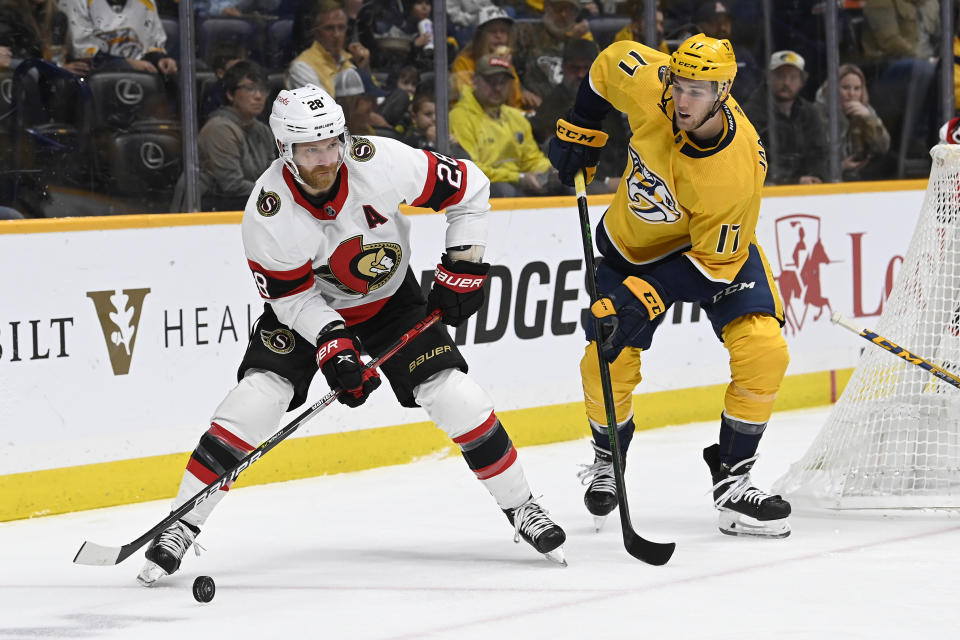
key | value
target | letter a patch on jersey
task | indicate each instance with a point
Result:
(374, 219)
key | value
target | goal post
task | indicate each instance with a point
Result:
(892, 440)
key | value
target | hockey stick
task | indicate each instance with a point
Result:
(896, 350)
(655, 553)
(95, 554)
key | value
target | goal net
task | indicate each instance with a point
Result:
(893, 438)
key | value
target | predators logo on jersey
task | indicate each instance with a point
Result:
(649, 196)
(355, 267)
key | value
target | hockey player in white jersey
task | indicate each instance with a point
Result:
(330, 254)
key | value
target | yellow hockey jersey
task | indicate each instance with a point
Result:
(677, 196)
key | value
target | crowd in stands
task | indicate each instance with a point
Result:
(89, 88)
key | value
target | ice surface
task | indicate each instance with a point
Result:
(421, 551)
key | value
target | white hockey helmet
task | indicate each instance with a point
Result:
(306, 114)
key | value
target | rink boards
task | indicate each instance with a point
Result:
(119, 336)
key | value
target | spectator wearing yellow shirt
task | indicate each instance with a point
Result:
(493, 35)
(956, 69)
(497, 136)
(326, 56)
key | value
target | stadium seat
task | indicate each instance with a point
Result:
(605, 28)
(278, 46)
(6, 100)
(172, 28)
(206, 88)
(204, 80)
(142, 161)
(6, 130)
(121, 98)
(234, 30)
(45, 104)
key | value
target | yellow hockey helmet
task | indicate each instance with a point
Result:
(701, 57)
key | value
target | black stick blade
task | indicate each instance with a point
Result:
(655, 553)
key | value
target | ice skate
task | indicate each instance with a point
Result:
(744, 509)
(531, 523)
(601, 495)
(166, 551)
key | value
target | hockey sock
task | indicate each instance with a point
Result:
(624, 435)
(491, 456)
(217, 451)
(738, 440)
(464, 411)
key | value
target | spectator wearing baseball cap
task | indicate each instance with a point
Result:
(358, 105)
(494, 35)
(466, 13)
(787, 58)
(539, 45)
(713, 19)
(798, 153)
(497, 136)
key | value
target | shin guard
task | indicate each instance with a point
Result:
(464, 411)
(758, 362)
(247, 416)
(624, 376)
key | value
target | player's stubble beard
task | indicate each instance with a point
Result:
(317, 180)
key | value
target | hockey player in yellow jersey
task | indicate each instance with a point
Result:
(681, 227)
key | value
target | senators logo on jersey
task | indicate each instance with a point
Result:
(362, 149)
(268, 203)
(360, 268)
(279, 341)
(649, 196)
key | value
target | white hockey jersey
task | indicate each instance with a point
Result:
(128, 31)
(344, 259)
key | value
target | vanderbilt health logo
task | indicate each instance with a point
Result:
(119, 314)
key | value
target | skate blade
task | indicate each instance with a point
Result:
(150, 573)
(598, 522)
(556, 556)
(732, 523)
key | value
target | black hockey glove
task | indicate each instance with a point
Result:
(458, 289)
(339, 360)
(624, 313)
(576, 146)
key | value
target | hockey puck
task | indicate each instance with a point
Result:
(203, 589)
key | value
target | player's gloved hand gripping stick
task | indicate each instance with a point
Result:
(624, 313)
(95, 554)
(339, 361)
(458, 289)
(576, 147)
(655, 553)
